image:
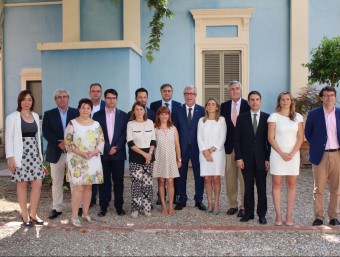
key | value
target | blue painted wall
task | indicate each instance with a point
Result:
(24, 28)
(76, 70)
(101, 20)
(269, 48)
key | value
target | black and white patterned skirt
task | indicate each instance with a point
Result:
(31, 165)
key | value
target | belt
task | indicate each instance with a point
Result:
(332, 150)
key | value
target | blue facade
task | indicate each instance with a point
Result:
(124, 70)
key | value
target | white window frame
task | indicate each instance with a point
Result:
(239, 17)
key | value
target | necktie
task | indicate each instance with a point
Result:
(167, 105)
(190, 115)
(234, 114)
(255, 123)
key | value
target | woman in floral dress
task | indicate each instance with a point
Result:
(84, 142)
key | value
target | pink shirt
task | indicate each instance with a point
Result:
(110, 122)
(332, 139)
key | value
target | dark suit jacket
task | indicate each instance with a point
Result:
(226, 113)
(102, 104)
(151, 114)
(155, 105)
(119, 135)
(247, 145)
(53, 131)
(316, 133)
(187, 132)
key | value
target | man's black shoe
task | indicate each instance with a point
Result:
(120, 212)
(232, 211)
(241, 213)
(53, 214)
(102, 212)
(334, 222)
(180, 206)
(262, 220)
(247, 218)
(200, 206)
(317, 222)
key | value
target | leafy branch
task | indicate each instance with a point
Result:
(156, 25)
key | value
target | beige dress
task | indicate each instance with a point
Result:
(165, 165)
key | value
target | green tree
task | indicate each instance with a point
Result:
(324, 66)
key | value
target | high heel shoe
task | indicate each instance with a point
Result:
(26, 224)
(37, 221)
(87, 218)
(76, 222)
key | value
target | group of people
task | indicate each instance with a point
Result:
(235, 139)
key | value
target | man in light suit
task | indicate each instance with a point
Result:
(186, 118)
(252, 152)
(322, 131)
(230, 110)
(53, 127)
(166, 92)
(98, 104)
(113, 122)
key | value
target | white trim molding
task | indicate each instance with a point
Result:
(29, 74)
(204, 18)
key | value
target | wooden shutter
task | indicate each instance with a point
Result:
(220, 67)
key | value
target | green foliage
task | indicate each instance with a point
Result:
(307, 99)
(156, 25)
(324, 66)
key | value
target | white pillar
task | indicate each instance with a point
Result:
(298, 44)
(131, 21)
(71, 20)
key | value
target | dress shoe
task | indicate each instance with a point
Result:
(262, 220)
(134, 214)
(317, 222)
(232, 211)
(80, 212)
(200, 206)
(241, 213)
(334, 222)
(180, 206)
(76, 222)
(147, 213)
(120, 212)
(247, 218)
(26, 224)
(158, 202)
(102, 212)
(87, 218)
(38, 221)
(54, 214)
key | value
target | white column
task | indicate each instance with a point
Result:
(131, 21)
(71, 20)
(298, 44)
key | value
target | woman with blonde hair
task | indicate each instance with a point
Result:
(285, 135)
(211, 135)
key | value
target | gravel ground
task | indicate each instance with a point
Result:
(58, 240)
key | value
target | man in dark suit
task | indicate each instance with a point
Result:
(141, 95)
(98, 104)
(186, 119)
(230, 110)
(53, 127)
(113, 122)
(322, 131)
(252, 152)
(166, 92)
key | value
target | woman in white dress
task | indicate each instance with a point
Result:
(285, 135)
(211, 135)
(84, 142)
(167, 157)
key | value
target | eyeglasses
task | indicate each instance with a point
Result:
(95, 91)
(328, 96)
(189, 94)
(111, 98)
(62, 97)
